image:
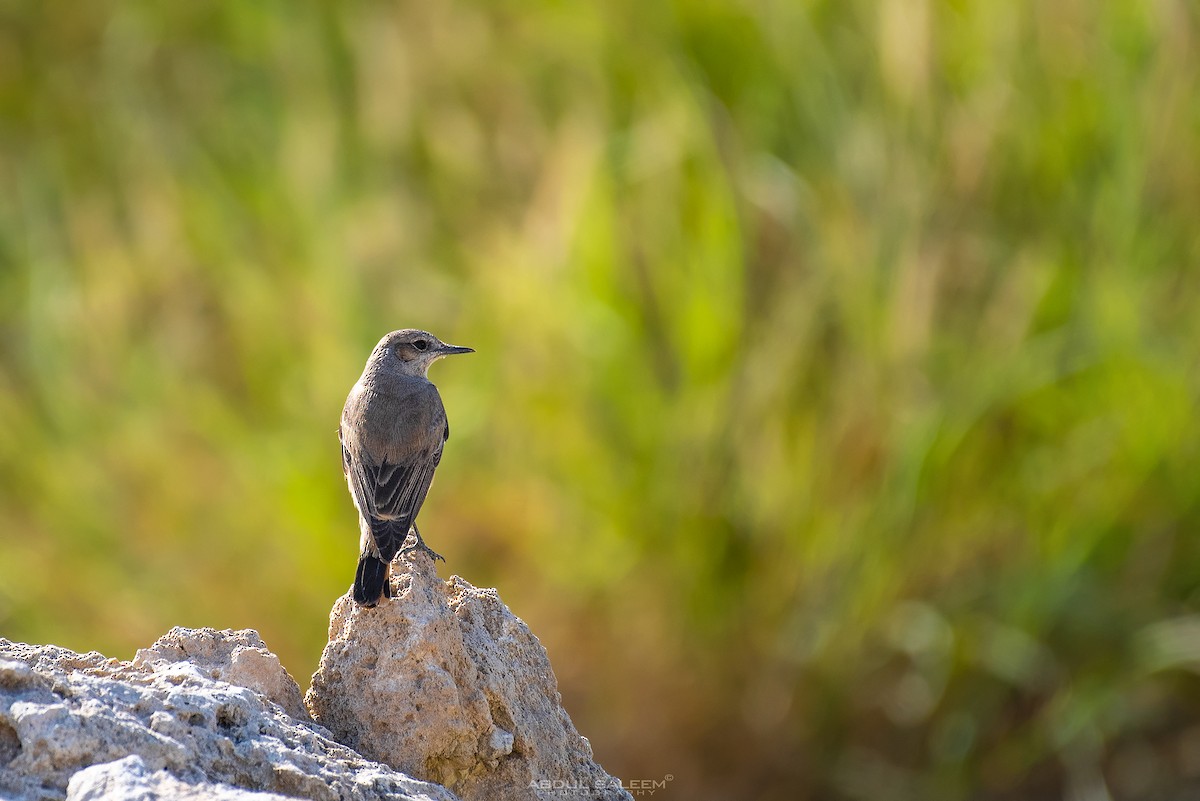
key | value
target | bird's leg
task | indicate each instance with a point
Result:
(421, 546)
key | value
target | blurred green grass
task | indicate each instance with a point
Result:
(832, 415)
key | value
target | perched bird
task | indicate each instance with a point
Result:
(392, 431)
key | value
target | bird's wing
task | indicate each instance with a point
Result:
(345, 453)
(390, 496)
(390, 480)
(400, 488)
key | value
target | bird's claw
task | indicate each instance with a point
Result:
(421, 546)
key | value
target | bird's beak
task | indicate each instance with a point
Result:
(450, 350)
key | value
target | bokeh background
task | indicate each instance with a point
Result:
(833, 420)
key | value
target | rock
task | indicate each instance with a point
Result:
(446, 684)
(129, 778)
(61, 713)
(442, 682)
(239, 657)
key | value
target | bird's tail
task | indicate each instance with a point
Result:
(370, 580)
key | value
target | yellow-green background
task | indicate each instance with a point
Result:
(833, 420)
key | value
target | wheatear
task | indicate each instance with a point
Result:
(392, 432)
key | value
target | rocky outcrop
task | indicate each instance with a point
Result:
(130, 778)
(175, 723)
(442, 683)
(235, 657)
(446, 684)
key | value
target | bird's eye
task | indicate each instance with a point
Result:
(421, 344)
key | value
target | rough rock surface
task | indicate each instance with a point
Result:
(129, 778)
(236, 657)
(444, 683)
(96, 728)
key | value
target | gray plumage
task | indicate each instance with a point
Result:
(392, 432)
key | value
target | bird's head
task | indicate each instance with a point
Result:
(411, 351)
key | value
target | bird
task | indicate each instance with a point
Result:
(392, 432)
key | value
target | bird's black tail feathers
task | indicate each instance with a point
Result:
(370, 580)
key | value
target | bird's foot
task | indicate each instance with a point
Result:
(421, 546)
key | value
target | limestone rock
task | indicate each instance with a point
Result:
(62, 713)
(444, 683)
(129, 778)
(236, 657)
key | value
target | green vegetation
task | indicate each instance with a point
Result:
(832, 415)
